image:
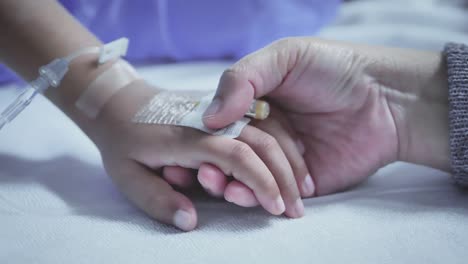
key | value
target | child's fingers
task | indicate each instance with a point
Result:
(238, 193)
(269, 150)
(239, 160)
(154, 195)
(178, 176)
(212, 179)
(290, 147)
(215, 182)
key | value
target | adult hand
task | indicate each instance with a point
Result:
(354, 108)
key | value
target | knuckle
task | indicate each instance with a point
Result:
(270, 185)
(282, 42)
(211, 144)
(152, 203)
(287, 182)
(290, 186)
(241, 152)
(285, 43)
(155, 202)
(243, 68)
(233, 71)
(267, 143)
(299, 168)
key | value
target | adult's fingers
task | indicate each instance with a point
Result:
(252, 77)
(268, 149)
(154, 195)
(290, 145)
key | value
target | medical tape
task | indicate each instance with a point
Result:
(119, 75)
(184, 109)
(52, 74)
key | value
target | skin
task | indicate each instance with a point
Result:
(355, 108)
(341, 111)
(145, 161)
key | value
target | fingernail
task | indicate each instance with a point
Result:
(183, 220)
(299, 207)
(308, 187)
(279, 206)
(213, 108)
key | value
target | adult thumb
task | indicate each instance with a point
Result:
(252, 77)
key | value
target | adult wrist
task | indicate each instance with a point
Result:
(414, 84)
(422, 104)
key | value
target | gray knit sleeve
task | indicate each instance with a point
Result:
(457, 67)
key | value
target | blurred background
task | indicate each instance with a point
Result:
(162, 31)
(422, 24)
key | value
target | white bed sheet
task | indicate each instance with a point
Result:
(58, 206)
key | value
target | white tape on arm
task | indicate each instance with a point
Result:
(105, 86)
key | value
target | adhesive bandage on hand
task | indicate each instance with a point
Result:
(187, 108)
(105, 86)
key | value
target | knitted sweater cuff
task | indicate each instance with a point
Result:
(457, 67)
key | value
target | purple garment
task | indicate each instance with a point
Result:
(178, 30)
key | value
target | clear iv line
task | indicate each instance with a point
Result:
(49, 75)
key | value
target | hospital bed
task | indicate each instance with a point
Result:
(58, 206)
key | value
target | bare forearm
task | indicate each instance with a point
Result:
(33, 33)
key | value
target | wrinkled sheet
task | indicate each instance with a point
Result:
(58, 206)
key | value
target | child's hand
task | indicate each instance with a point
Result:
(135, 154)
(217, 184)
